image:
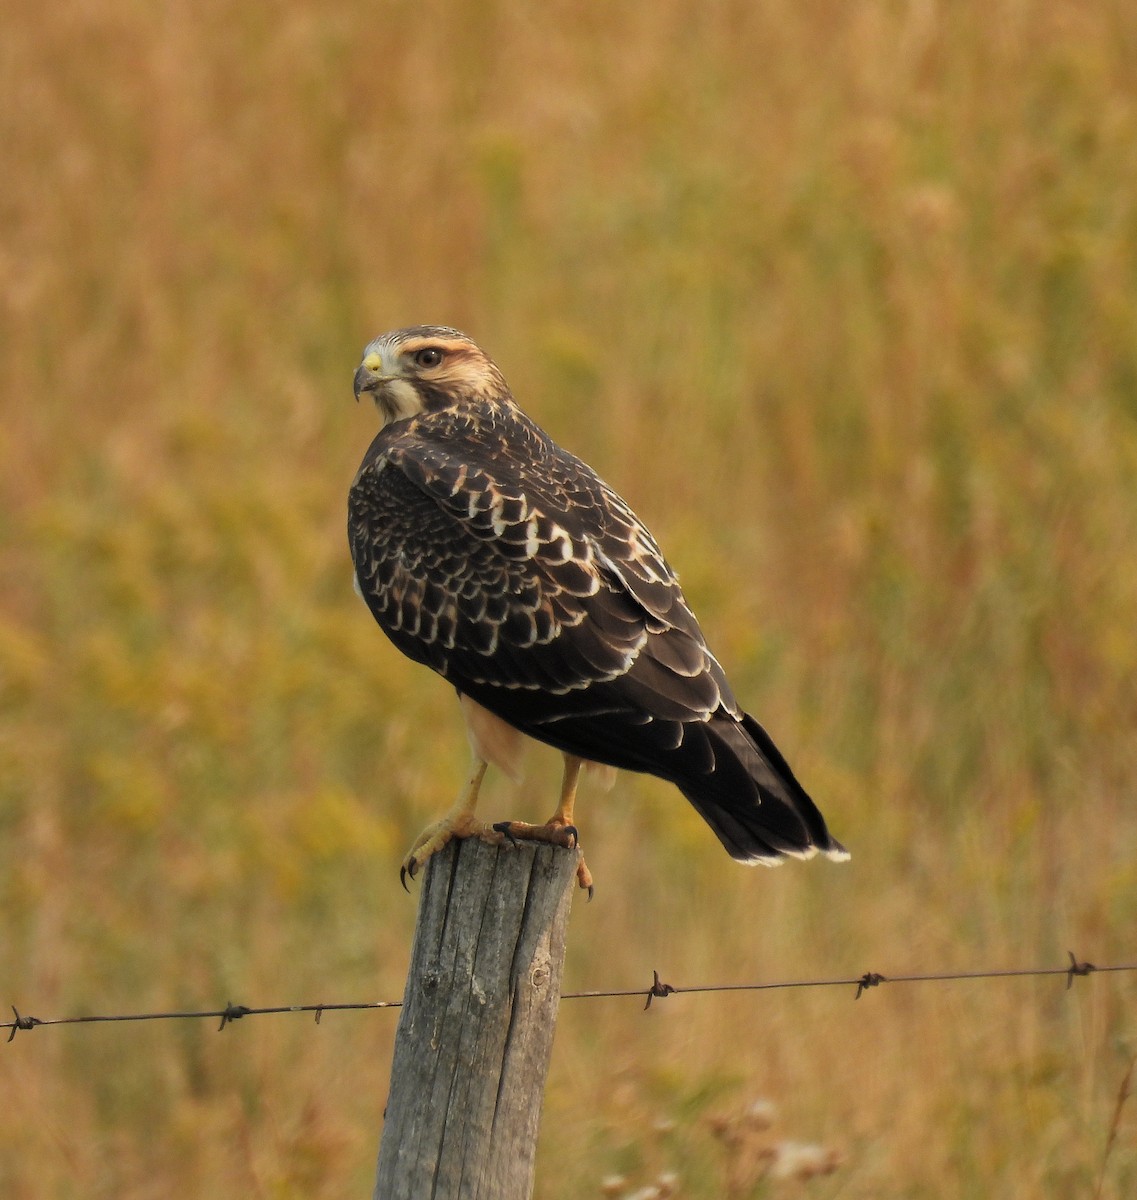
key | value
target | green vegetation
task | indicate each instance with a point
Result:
(843, 298)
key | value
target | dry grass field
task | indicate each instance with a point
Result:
(843, 298)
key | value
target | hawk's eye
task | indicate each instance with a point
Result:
(428, 356)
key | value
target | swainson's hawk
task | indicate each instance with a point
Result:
(504, 563)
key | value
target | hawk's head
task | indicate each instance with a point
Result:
(426, 368)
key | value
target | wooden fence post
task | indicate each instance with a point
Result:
(476, 1030)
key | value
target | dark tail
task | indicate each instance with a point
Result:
(750, 797)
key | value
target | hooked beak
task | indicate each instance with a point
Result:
(369, 377)
(365, 381)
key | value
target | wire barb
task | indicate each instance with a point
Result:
(1077, 968)
(22, 1022)
(232, 1012)
(869, 979)
(657, 989)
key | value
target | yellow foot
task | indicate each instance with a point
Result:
(556, 833)
(434, 837)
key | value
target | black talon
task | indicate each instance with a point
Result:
(591, 890)
(571, 830)
(406, 871)
(503, 827)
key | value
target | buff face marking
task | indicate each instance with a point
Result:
(409, 372)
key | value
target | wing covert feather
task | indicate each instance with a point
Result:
(505, 564)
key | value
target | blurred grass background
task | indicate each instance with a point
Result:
(842, 297)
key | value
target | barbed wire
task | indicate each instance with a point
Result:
(658, 990)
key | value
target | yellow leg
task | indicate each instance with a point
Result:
(571, 777)
(564, 813)
(559, 829)
(459, 822)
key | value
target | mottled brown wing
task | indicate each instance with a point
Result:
(505, 564)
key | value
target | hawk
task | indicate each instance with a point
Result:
(489, 554)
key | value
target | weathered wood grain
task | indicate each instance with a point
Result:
(476, 1029)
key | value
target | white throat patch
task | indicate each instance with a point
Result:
(396, 400)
